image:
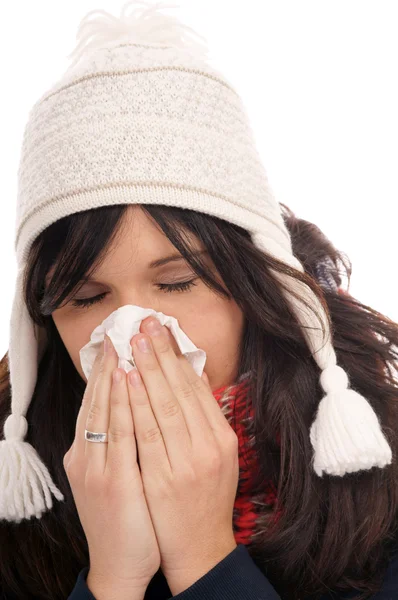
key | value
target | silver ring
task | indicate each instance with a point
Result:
(91, 436)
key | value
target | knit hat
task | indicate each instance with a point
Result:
(141, 117)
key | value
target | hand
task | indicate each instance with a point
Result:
(188, 455)
(107, 486)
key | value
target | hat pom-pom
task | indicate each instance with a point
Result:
(143, 26)
(346, 434)
(25, 482)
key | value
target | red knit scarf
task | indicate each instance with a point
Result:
(251, 510)
(247, 506)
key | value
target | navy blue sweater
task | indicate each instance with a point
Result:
(237, 577)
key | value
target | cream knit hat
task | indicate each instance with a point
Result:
(141, 117)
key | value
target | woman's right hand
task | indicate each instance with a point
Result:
(107, 487)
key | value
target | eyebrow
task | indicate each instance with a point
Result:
(173, 257)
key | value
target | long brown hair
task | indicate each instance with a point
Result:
(334, 532)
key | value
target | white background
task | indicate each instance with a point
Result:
(319, 81)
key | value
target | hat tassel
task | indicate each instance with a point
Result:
(346, 433)
(25, 481)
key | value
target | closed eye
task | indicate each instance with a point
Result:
(183, 286)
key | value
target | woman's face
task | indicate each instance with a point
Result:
(213, 323)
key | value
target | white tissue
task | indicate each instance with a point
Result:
(122, 324)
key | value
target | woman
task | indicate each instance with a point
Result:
(272, 475)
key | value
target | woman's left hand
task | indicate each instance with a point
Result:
(188, 456)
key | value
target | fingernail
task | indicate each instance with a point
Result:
(143, 344)
(154, 326)
(134, 377)
(117, 376)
